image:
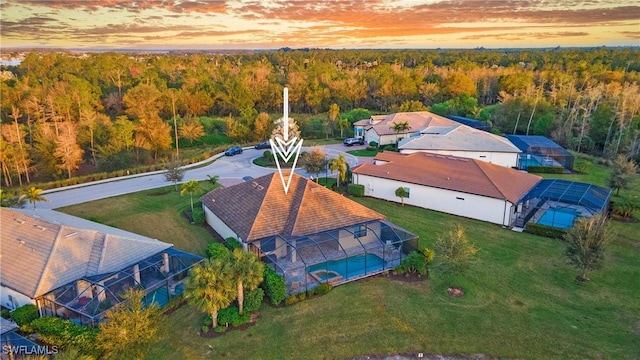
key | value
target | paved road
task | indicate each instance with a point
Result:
(231, 170)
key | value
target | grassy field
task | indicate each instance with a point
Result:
(364, 152)
(521, 300)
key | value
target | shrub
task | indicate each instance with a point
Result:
(220, 329)
(65, 334)
(232, 243)
(217, 251)
(546, 169)
(232, 317)
(389, 147)
(291, 300)
(373, 144)
(302, 296)
(323, 288)
(5, 313)
(544, 230)
(626, 206)
(24, 315)
(204, 328)
(198, 215)
(371, 148)
(356, 190)
(311, 292)
(253, 299)
(414, 263)
(207, 320)
(267, 155)
(274, 286)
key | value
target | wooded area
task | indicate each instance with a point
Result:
(111, 111)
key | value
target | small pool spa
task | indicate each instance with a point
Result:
(329, 276)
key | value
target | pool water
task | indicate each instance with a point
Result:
(562, 218)
(351, 267)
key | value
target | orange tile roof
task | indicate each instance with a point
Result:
(452, 173)
(260, 208)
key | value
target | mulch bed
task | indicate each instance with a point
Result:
(623, 219)
(213, 334)
(411, 278)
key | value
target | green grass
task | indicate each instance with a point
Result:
(364, 152)
(521, 300)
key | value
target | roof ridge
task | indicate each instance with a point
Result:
(45, 268)
(297, 213)
(262, 204)
(480, 164)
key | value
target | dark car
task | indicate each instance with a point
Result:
(263, 145)
(233, 151)
(353, 141)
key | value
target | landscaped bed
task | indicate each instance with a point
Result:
(520, 300)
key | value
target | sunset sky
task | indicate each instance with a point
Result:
(243, 24)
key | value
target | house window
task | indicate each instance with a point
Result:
(360, 231)
(406, 192)
(459, 198)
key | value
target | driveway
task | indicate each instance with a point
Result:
(230, 169)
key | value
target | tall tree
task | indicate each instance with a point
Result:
(315, 160)
(586, 244)
(210, 287)
(248, 272)
(175, 174)
(34, 195)
(68, 152)
(129, 328)
(191, 187)
(343, 124)
(623, 171)
(262, 127)
(340, 165)
(191, 129)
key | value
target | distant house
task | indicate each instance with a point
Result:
(455, 185)
(541, 151)
(311, 234)
(464, 141)
(379, 128)
(77, 269)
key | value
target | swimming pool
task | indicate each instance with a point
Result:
(338, 270)
(562, 218)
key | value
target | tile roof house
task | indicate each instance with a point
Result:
(70, 267)
(455, 185)
(308, 226)
(379, 128)
(464, 141)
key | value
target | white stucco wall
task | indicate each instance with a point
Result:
(219, 226)
(452, 202)
(499, 158)
(18, 298)
(370, 135)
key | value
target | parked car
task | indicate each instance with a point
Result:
(263, 145)
(233, 151)
(353, 141)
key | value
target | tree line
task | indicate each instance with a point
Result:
(108, 111)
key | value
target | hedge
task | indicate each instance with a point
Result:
(232, 243)
(546, 169)
(544, 230)
(217, 251)
(253, 300)
(356, 190)
(65, 334)
(24, 315)
(274, 286)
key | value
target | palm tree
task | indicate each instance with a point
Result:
(34, 194)
(210, 288)
(399, 127)
(213, 179)
(248, 271)
(190, 187)
(339, 164)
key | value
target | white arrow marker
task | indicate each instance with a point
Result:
(286, 147)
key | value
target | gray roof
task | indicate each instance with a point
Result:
(6, 325)
(45, 249)
(457, 138)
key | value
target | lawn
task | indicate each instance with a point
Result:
(521, 300)
(364, 152)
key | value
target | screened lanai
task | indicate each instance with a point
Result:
(541, 151)
(336, 256)
(85, 301)
(559, 203)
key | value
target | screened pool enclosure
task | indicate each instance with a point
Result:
(541, 151)
(85, 301)
(335, 256)
(559, 203)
